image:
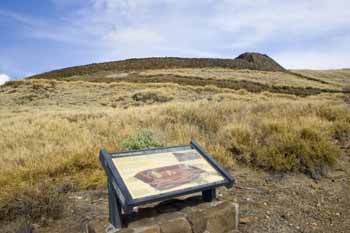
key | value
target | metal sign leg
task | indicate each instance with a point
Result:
(115, 212)
(209, 195)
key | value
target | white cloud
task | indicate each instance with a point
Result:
(134, 36)
(114, 29)
(4, 78)
(195, 24)
(259, 21)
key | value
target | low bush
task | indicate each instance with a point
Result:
(141, 140)
(151, 97)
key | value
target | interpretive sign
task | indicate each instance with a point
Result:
(144, 176)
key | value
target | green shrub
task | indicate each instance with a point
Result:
(141, 140)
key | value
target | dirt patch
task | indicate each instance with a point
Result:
(293, 203)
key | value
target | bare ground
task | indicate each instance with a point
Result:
(294, 203)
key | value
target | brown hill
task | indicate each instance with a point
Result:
(252, 61)
(260, 62)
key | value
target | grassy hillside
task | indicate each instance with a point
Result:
(253, 61)
(335, 77)
(250, 71)
(51, 130)
(251, 80)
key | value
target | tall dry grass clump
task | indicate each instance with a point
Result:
(290, 144)
(276, 135)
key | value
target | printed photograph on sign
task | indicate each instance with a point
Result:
(152, 174)
(163, 178)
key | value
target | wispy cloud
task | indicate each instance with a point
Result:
(206, 27)
(270, 18)
(20, 18)
(298, 33)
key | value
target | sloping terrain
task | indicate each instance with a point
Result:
(251, 61)
(260, 61)
(251, 80)
(251, 71)
(285, 135)
(336, 77)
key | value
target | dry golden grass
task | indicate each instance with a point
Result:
(339, 78)
(51, 94)
(51, 131)
(263, 77)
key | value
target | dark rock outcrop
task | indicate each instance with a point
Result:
(261, 61)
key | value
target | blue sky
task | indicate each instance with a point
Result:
(41, 35)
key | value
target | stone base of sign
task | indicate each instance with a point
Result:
(175, 216)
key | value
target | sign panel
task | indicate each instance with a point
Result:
(144, 176)
(159, 173)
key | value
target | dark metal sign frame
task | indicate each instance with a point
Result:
(120, 198)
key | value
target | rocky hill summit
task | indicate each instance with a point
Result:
(251, 61)
(260, 61)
